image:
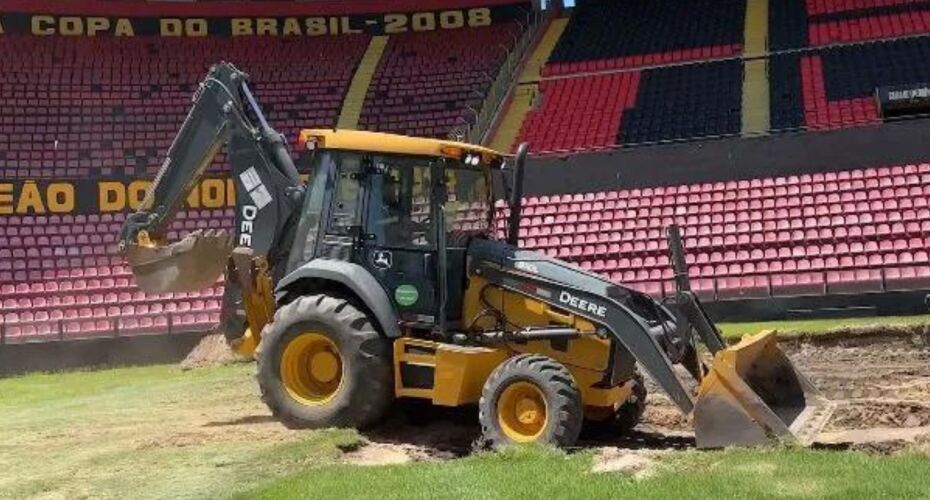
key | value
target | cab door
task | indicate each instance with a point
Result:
(400, 245)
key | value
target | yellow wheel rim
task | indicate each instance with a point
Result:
(522, 412)
(311, 369)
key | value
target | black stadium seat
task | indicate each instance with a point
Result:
(602, 29)
(687, 101)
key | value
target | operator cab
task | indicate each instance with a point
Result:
(403, 208)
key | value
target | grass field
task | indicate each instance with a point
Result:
(680, 475)
(153, 432)
(734, 331)
(159, 432)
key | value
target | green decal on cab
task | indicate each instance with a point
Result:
(406, 295)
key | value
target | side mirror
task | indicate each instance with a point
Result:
(516, 195)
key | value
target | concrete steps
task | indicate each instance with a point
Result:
(361, 80)
(756, 111)
(527, 86)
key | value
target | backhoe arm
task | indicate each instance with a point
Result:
(224, 112)
(268, 190)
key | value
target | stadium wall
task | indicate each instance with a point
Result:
(17, 359)
(731, 158)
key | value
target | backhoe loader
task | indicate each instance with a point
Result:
(384, 277)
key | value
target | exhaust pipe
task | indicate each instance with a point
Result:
(516, 196)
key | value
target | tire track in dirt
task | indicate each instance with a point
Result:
(879, 384)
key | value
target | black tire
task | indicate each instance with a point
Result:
(367, 385)
(564, 411)
(625, 418)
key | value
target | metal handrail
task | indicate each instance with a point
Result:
(115, 328)
(500, 85)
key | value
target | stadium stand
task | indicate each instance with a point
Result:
(686, 101)
(605, 34)
(106, 107)
(854, 231)
(60, 276)
(622, 73)
(812, 23)
(100, 107)
(674, 86)
(829, 56)
(825, 59)
(634, 107)
(427, 83)
(851, 232)
(835, 86)
(568, 118)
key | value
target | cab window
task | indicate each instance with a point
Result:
(399, 208)
(346, 205)
(468, 208)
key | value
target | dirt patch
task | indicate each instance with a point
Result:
(876, 382)
(439, 433)
(212, 350)
(856, 334)
(377, 454)
(880, 385)
(639, 464)
(387, 454)
(864, 415)
(883, 440)
(662, 415)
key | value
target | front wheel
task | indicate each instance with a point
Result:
(322, 363)
(531, 399)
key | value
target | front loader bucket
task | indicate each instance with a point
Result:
(753, 395)
(191, 264)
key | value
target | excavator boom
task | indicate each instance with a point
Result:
(224, 114)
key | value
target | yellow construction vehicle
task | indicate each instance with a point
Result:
(382, 278)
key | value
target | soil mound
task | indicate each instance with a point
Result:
(212, 350)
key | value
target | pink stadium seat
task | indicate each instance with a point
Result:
(742, 287)
(907, 278)
(855, 281)
(798, 284)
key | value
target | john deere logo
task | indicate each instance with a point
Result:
(406, 295)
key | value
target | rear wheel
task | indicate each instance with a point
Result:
(530, 399)
(322, 363)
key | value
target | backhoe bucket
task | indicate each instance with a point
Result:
(753, 395)
(191, 264)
